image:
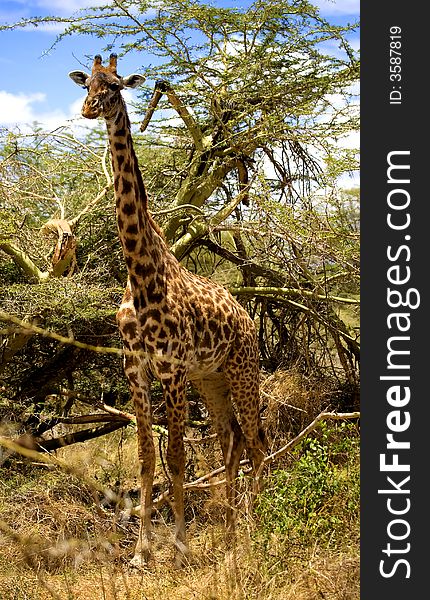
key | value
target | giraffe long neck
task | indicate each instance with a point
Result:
(140, 238)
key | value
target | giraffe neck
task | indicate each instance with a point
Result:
(140, 237)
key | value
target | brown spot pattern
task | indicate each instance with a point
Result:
(177, 326)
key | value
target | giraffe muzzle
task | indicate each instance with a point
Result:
(92, 108)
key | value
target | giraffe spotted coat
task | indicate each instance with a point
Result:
(175, 325)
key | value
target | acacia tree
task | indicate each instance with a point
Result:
(242, 134)
(248, 85)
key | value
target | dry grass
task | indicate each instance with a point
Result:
(291, 401)
(212, 575)
(65, 550)
(57, 542)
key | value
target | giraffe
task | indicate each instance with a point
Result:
(175, 325)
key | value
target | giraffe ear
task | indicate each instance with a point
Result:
(133, 80)
(79, 77)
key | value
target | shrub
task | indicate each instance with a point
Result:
(319, 496)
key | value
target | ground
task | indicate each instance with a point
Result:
(64, 533)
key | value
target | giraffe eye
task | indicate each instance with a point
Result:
(114, 86)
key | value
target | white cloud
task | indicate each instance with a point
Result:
(63, 5)
(23, 110)
(16, 108)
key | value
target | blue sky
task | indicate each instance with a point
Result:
(35, 86)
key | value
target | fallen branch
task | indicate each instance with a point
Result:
(321, 417)
(115, 412)
(78, 436)
(85, 419)
(126, 416)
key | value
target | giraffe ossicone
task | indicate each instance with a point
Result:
(175, 325)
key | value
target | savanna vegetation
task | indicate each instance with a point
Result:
(241, 158)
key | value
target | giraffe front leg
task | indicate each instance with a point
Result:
(142, 553)
(139, 387)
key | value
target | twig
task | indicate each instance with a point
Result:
(281, 291)
(29, 328)
(121, 414)
(321, 417)
(201, 440)
(73, 222)
(168, 211)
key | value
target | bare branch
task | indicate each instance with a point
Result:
(281, 291)
(24, 261)
(321, 417)
(78, 436)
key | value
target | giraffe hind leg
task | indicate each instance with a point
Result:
(244, 384)
(139, 387)
(215, 392)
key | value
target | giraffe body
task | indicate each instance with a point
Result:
(175, 325)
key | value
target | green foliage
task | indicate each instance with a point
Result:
(274, 78)
(318, 497)
(267, 94)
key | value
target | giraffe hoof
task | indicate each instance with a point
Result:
(182, 555)
(181, 560)
(140, 561)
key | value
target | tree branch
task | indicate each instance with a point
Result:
(281, 291)
(24, 261)
(190, 123)
(199, 229)
(78, 436)
(321, 417)
(199, 186)
(256, 269)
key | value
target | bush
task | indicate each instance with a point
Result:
(319, 496)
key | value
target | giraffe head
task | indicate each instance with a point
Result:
(104, 87)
